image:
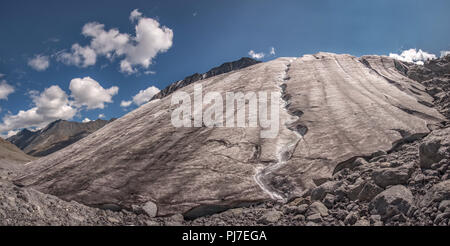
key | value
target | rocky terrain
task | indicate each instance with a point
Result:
(54, 136)
(363, 141)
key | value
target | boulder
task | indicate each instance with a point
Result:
(353, 190)
(316, 218)
(439, 192)
(396, 200)
(444, 206)
(270, 217)
(362, 222)
(317, 208)
(329, 200)
(318, 193)
(150, 209)
(369, 191)
(351, 218)
(434, 147)
(391, 176)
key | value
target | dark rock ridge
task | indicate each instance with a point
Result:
(55, 136)
(224, 68)
(435, 76)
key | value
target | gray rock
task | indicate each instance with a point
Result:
(150, 209)
(316, 218)
(362, 222)
(369, 191)
(340, 214)
(360, 162)
(317, 208)
(374, 218)
(299, 217)
(354, 190)
(437, 193)
(351, 218)
(391, 176)
(440, 217)
(395, 200)
(433, 148)
(301, 209)
(322, 190)
(270, 217)
(378, 153)
(310, 223)
(289, 209)
(329, 200)
(444, 205)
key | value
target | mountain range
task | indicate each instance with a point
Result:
(54, 136)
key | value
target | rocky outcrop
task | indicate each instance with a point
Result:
(55, 136)
(224, 68)
(333, 109)
(434, 147)
(435, 76)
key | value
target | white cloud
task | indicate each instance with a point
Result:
(10, 134)
(5, 89)
(272, 51)
(101, 116)
(88, 92)
(194, 14)
(145, 95)
(413, 56)
(53, 104)
(39, 62)
(86, 120)
(256, 55)
(107, 43)
(151, 39)
(137, 51)
(79, 56)
(1, 75)
(445, 53)
(125, 103)
(135, 15)
(141, 97)
(50, 105)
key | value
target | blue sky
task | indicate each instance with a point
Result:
(198, 36)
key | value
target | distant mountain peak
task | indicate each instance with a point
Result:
(55, 136)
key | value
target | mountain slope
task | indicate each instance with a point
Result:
(9, 152)
(54, 136)
(333, 108)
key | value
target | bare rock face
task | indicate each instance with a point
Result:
(333, 109)
(54, 136)
(439, 192)
(434, 147)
